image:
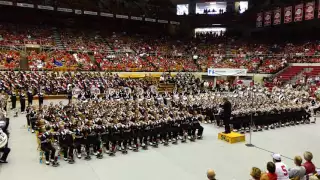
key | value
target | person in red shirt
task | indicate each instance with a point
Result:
(271, 167)
(310, 167)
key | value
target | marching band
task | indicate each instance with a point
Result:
(108, 114)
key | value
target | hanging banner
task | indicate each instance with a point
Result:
(277, 16)
(309, 11)
(288, 14)
(259, 20)
(226, 72)
(298, 13)
(267, 18)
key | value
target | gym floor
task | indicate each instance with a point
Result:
(188, 161)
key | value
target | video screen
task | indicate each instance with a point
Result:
(211, 8)
(182, 9)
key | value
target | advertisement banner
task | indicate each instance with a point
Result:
(78, 11)
(7, 3)
(226, 72)
(64, 10)
(106, 14)
(121, 16)
(162, 21)
(150, 19)
(136, 18)
(90, 13)
(277, 16)
(50, 8)
(288, 14)
(298, 13)
(26, 5)
(259, 20)
(175, 22)
(309, 11)
(267, 18)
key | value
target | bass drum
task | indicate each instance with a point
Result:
(95, 90)
(111, 92)
(153, 89)
(139, 91)
(76, 92)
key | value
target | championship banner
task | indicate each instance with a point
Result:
(319, 9)
(298, 13)
(277, 16)
(288, 14)
(226, 72)
(267, 18)
(309, 11)
(259, 20)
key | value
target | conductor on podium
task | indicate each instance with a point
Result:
(226, 115)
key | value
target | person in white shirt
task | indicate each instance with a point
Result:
(281, 169)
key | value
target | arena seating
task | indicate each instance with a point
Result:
(9, 59)
(88, 50)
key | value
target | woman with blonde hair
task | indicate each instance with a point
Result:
(255, 173)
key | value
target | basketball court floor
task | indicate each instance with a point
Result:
(177, 162)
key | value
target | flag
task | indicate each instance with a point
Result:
(57, 63)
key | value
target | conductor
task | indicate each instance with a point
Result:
(226, 115)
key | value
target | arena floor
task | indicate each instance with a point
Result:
(177, 162)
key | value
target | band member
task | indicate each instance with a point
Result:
(69, 96)
(13, 99)
(196, 126)
(46, 146)
(66, 143)
(78, 139)
(23, 102)
(30, 96)
(41, 97)
(31, 118)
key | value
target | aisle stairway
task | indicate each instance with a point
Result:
(56, 37)
(24, 61)
(290, 73)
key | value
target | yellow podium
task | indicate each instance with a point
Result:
(232, 137)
